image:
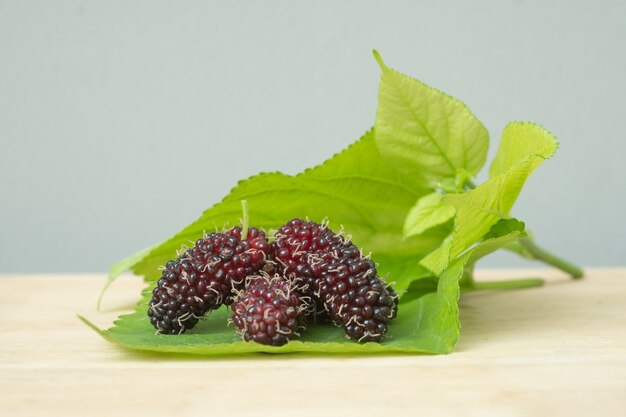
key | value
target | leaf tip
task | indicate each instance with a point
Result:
(112, 276)
(89, 324)
(102, 291)
(538, 131)
(379, 59)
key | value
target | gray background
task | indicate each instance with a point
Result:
(121, 121)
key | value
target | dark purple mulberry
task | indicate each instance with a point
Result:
(204, 277)
(270, 310)
(340, 278)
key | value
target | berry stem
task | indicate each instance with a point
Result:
(245, 221)
(533, 251)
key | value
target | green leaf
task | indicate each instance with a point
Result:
(425, 324)
(503, 233)
(504, 227)
(520, 141)
(439, 259)
(427, 134)
(356, 189)
(479, 209)
(359, 190)
(121, 267)
(401, 271)
(428, 212)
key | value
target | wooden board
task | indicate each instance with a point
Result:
(556, 350)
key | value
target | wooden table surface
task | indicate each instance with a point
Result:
(555, 350)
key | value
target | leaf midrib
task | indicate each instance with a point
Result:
(428, 134)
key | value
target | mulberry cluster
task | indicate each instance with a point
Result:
(204, 277)
(321, 275)
(270, 310)
(340, 278)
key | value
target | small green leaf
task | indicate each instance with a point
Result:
(492, 244)
(400, 271)
(479, 209)
(428, 212)
(520, 141)
(439, 259)
(501, 234)
(427, 134)
(504, 227)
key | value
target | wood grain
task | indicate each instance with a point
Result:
(556, 350)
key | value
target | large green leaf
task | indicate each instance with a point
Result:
(356, 188)
(121, 267)
(428, 324)
(427, 134)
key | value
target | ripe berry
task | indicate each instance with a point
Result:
(340, 278)
(204, 277)
(269, 311)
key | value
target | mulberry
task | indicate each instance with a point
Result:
(204, 277)
(270, 310)
(339, 278)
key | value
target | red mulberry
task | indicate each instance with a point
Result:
(340, 278)
(269, 311)
(204, 277)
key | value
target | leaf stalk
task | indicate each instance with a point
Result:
(506, 285)
(534, 251)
